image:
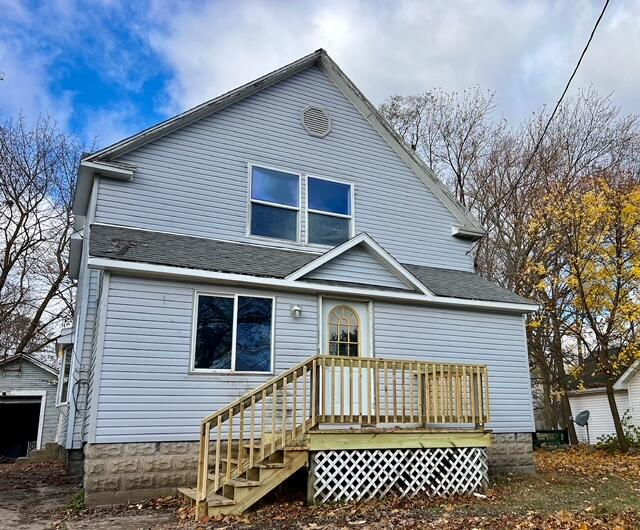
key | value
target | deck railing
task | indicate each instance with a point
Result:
(335, 390)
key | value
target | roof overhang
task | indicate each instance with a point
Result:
(366, 241)
(625, 378)
(593, 391)
(87, 172)
(287, 284)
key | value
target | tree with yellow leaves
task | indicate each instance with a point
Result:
(595, 229)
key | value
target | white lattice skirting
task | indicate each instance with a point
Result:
(366, 474)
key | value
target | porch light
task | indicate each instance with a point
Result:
(296, 311)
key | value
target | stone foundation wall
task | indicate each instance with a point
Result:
(126, 472)
(511, 453)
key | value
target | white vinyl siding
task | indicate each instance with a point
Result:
(474, 337)
(147, 392)
(356, 265)
(194, 180)
(600, 420)
(633, 389)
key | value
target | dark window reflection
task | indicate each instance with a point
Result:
(253, 340)
(214, 332)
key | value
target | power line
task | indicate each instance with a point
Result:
(546, 127)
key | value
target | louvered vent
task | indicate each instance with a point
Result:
(316, 121)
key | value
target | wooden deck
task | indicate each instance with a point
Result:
(330, 403)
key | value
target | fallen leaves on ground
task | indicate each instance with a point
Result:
(589, 462)
(31, 475)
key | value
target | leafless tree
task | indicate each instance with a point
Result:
(37, 172)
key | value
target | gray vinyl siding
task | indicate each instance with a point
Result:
(28, 377)
(63, 421)
(81, 386)
(146, 390)
(357, 266)
(475, 337)
(91, 361)
(194, 181)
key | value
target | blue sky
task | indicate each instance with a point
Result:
(107, 69)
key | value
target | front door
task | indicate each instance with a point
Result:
(345, 333)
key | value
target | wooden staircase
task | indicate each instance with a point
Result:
(258, 441)
(242, 492)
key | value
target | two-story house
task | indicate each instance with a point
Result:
(273, 280)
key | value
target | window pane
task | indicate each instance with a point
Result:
(329, 196)
(270, 221)
(326, 230)
(65, 374)
(274, 186)
(253, 341)
(214, 333)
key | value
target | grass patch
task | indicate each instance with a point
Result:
(76, 504)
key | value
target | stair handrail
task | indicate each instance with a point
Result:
(268, 445)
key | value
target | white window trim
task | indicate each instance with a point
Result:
(59, 403)
(307, 210)
(194, 329)
(250, 201)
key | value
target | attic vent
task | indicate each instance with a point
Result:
(316, 121)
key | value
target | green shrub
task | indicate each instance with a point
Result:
(631, 433)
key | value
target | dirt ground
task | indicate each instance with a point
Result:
(579, 489)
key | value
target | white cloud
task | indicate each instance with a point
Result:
(525, 51)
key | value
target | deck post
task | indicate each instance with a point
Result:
(311, 488)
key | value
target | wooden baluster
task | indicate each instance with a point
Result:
(420, 385)
(351, 369)
(360, 396)
(315, 387)
(377, 393)
(218, 454)
(443, 396)
(342, 384)
(480, 398)
(284, 411)
(203, 468)
(472, 394)
(229, 438)
(465, 401)
(370, 402)
(294, 416)
(403, 389)
(274, 408)
(486, 395)
(394, 373)
(333, 390)
(253, 430)
(241, 438)
(304, 398)
(386, 392)
(427, 395)
(449, 395)
(458, 396)
(263, 409)
(411, 396)
(436, 395)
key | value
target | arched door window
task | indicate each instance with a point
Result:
(344, 332)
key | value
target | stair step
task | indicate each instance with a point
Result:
(270, 465)
(244, 483)
(214, 500)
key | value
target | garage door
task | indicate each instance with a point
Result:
(20, 418)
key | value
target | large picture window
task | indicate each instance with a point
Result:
(233, 333)
(329, 211)
(275, 203)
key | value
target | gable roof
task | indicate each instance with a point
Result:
(29, 358)
(366, 241)
(145, 246)
(468, 228)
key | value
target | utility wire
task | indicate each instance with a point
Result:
(546, 127)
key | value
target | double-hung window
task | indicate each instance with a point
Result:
(233, 333)
(329, 211)
(275, 203)
(63, 382)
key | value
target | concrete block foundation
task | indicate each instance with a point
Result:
(511, 453)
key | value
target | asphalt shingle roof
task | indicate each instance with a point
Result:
(241, 258)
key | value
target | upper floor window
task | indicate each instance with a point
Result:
(275, 203)
(329, 211)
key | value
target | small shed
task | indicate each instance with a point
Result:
(28, 410)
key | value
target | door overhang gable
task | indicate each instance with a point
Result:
(376, 250)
